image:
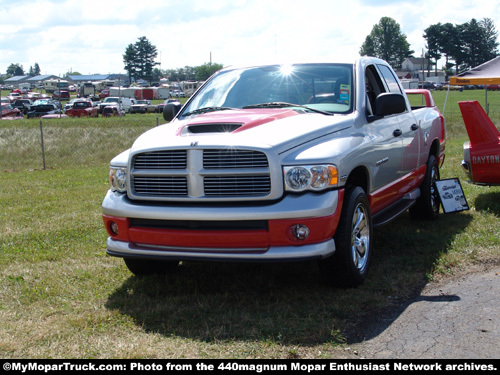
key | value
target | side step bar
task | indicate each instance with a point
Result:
(396, 209)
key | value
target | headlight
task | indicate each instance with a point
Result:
(118, 179)
(310, 177)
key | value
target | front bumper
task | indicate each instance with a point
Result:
(274, 242)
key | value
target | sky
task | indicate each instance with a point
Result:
(90, 37)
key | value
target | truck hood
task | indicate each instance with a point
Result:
(252, 128)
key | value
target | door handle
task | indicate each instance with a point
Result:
(397, 132)
(414, 127)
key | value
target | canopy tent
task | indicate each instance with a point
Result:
(484, 74)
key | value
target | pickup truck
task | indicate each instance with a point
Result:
(83, 108)
(277, 163)
(142, 106)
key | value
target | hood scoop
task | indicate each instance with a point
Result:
(211, 128)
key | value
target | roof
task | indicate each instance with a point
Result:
(484, 74)
(88, 77)
(17, 79)
(41, 78)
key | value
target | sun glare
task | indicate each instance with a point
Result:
(286, 70)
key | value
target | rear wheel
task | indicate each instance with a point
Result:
(143, 267)
(348, 266)
(427, 205)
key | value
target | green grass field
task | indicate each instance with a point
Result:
(61, 296)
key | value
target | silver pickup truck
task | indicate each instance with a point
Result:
(277, 163)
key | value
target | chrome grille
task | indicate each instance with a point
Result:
(237, 186)
(156, 186)
(174, 159)
(200, 174)
(229, 158)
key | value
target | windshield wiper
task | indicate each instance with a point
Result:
(284, 105)
(205, 110)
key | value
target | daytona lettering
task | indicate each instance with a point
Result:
(487, 159)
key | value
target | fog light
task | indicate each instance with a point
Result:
(301, 232)
(114, 228)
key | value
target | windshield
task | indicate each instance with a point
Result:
(323, 87)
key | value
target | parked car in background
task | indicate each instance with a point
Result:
(60, 95)
(121, 102)
(13, 96)
(159, 107)
(8, 111)
(83, 108)
(112, 110)
(43, 108)
(24, 105)
(69, 104)
(104, 93)
(177, 94)
(493, 87)
(143, 106)
(427, 85)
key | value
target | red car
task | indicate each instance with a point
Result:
(9, 111)
(104, 93)
(60, 95)
(83, 108)
(482, 152)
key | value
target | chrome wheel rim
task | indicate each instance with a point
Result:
(360, 240)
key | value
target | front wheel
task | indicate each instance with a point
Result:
(348, 266)
(143, 267)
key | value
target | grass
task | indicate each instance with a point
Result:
(61, 296)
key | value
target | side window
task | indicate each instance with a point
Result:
(389, 79)
(374, 87)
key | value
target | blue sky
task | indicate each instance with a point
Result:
(91, 36)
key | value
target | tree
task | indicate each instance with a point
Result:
(129, 59)
(387, 42)
(432, 35)
(15, 70)
(146, 54)
(36, 70)
(139, 59)
(203, 72)
(468, 45)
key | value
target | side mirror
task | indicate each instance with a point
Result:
(170, 111)
(389, 104)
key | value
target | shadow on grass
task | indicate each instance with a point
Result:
(488, 201)
(286, 303)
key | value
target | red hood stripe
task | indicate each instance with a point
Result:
(248, 118)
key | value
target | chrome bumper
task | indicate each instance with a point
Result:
(277, 253)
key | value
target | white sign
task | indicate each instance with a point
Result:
(452, 195)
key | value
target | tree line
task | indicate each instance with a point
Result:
(18, 70)
(464, 46)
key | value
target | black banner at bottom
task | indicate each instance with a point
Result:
(257, 366)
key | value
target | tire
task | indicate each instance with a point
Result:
(144, 267)
(427, 205)
(348, 266)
